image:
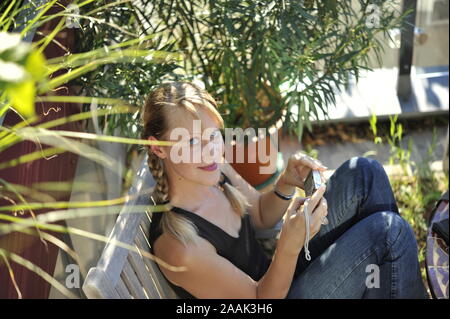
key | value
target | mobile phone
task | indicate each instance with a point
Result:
(312, 182)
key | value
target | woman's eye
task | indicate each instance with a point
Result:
(194, 141)
(216, 135)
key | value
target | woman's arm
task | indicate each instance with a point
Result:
(209, 275)
(266, 209)
(272, 207)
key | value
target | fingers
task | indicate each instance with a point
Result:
(321, 167)
(317, 207)
(309, 162)
(303, 171)
(325, 206)
(321, 209)
(318, 215)
(296, 203)
(315, 198)
(323, 179)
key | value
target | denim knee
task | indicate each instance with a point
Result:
(400, 232)
(393, 230)
(364, 164)
(359, 166)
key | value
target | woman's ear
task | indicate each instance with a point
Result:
(156, 149)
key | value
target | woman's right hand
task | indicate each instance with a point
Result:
(292, 237)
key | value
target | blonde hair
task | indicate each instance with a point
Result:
(157, 107)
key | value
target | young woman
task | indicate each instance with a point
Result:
(366, 250)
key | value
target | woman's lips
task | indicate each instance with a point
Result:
(211, 167)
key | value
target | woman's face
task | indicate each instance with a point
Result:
(199, 149)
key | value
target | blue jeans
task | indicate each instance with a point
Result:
(367, 250)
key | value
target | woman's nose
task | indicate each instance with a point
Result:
(213, 147)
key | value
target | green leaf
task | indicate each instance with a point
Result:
(21, 97)
(35, 65)
(392, 127)
(348, 56)
(373, 124)
(306, 15)
(400, 131)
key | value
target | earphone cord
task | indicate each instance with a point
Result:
(308, 223)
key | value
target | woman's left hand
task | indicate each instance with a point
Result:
(297, 169)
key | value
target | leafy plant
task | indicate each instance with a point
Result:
(20, 69)
(102, 24)
(24, 58)
(269, 60)
(398, 154)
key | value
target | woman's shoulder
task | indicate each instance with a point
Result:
(176, 253)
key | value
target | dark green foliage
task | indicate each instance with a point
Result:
(259, 59)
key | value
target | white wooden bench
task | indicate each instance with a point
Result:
(122, 273)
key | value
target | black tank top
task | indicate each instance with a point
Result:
(244, 251)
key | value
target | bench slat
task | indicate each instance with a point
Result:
(158, 278)
(98, 286)
(143, 244)
(122, 289)
(145, 222)
(143, 274)
(132, 282)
